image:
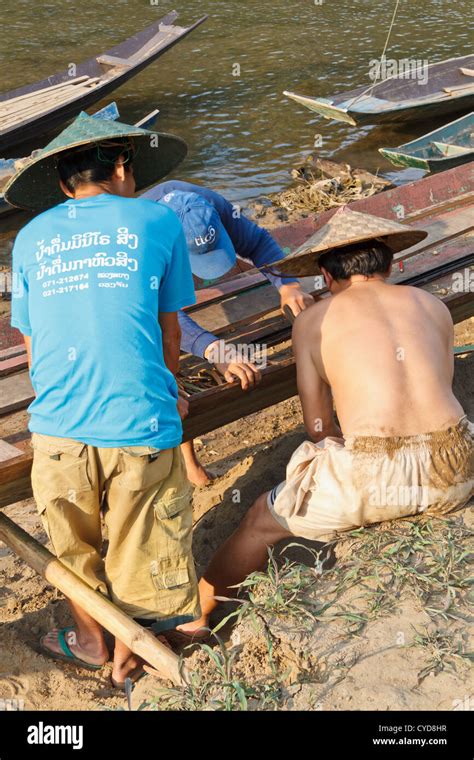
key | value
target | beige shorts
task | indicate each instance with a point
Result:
(338, 485)
(148, 568)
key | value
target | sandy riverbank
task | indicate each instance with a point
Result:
(330, 665)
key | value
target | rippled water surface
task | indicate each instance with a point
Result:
(243, 134)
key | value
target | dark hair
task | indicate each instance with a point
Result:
(93, 165)
(373, 257)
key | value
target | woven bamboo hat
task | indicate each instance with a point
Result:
(35, 186)
(344, 228)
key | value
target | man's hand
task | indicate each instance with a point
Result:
(182, 404)
(293, 296)
(248, 374)
(233, 369)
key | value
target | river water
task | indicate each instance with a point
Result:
(243, 134)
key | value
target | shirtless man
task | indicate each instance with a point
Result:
(384, 354)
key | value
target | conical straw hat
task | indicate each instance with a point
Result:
(35, 186)
(345, 228)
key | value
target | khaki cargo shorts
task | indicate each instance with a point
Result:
(145, 497)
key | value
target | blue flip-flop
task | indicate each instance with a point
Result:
(68, 656)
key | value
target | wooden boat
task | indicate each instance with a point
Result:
(245, 309)
(436, 151)
(449, 89)
(29, 111)
(8, 165)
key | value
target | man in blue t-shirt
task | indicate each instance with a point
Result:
(98, 282)
(216, 231)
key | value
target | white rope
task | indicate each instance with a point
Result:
(370, 89)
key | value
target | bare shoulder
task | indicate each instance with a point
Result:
(430, 302)
(311, 318)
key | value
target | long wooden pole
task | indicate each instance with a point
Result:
(141, 641)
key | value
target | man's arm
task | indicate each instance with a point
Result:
(257, 245)
(194, 338)
(27, 339)
(171, 337)
(315, 394)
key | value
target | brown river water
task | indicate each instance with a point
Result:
(243, 134)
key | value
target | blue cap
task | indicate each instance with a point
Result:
(211, 252)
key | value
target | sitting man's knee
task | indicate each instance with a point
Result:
(260, 520)
(257, 512)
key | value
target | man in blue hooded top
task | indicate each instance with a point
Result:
(215, 233)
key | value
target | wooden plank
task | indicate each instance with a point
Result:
(238, 284)
(114, 62)
(43, 90)
(459, 88)
(7, 451)
(16, 392)
(15, 364)
(61, 94)
(226, 403)
(8, 353)
(42, 106)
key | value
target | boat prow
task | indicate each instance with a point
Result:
(322, 106)
(444, 148)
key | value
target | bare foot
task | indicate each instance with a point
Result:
(91, 651)
(198, 476)
(198, 628)
(131, 666)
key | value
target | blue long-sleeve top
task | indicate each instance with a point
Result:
(249, 240)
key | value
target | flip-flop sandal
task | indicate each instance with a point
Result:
(134, 676)
(68, 656)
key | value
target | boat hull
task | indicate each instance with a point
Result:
(24, 131)
(399, 99)
(426, 152)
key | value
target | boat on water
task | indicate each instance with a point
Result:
(436, 151)
(8, 166)
(440, 88)
(27, 112)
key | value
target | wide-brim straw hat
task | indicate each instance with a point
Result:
(35, 186)
(346, 227)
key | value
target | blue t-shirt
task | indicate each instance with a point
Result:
(90, 277)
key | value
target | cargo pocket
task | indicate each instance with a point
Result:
(175, 515)
(143, 467)
(60, 468)
(175, 585)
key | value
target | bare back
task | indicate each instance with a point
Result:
(386, 352)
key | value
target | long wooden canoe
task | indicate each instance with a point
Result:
(29, 111)
(443, 148)
(443, 204)
(440, 88)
